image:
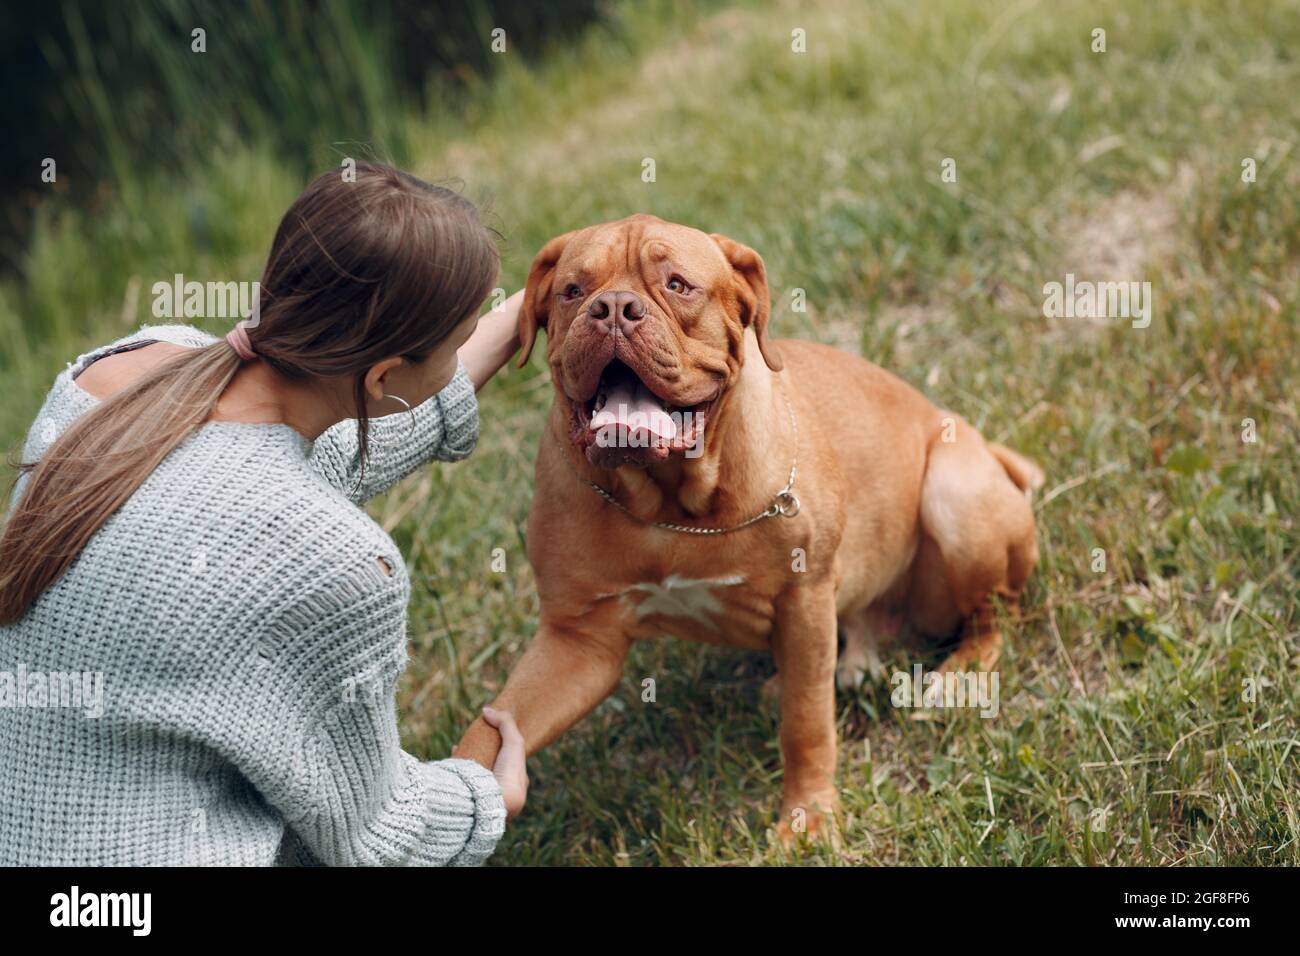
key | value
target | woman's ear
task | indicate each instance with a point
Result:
(751, 291)
(377, 377)
(536, 306)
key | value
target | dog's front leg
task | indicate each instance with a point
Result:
(565, 672)
(804, 643)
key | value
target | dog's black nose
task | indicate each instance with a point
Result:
(625, 306)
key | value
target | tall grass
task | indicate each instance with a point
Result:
(118, 93)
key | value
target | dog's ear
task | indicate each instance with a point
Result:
(536, 306)
(751, 292)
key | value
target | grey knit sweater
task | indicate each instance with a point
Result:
(212, 680)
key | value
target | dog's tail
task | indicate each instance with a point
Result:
(1027, 476)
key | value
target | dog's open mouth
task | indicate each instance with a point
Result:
(625, 423)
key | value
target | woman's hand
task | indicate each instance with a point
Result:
(509, 768)
(494, 340)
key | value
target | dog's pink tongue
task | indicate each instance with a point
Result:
(632, 405)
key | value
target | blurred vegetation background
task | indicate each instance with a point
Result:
(1126, 734)
(113, 92)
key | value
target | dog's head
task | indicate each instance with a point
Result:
(645, 323)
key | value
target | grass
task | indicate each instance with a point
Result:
(1128, 730)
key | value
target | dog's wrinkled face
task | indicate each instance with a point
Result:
(645, 324)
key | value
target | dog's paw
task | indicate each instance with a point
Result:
(980, 653)
(815, 820)
(852, 671)
(850, 675)
(859, 660)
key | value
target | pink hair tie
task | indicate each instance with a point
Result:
(240, 342)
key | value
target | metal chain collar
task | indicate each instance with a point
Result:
(784, 503)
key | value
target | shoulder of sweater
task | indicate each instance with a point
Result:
(176, 334)
(271, 480)
(185, 335)
(63, 402)
(329, 535)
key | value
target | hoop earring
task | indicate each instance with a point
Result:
(410, 432)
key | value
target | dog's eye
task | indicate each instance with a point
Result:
(679, 285)
(572, 291)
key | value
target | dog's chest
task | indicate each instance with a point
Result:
(722, 609)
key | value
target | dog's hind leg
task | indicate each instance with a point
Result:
(981, 541)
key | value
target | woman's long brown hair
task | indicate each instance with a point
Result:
(359, 271)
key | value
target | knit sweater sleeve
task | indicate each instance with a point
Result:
(371, 803)
(321, 744)
(444, 428)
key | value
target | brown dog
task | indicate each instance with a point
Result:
(900, 514)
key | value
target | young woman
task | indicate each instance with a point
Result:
(186, 537)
